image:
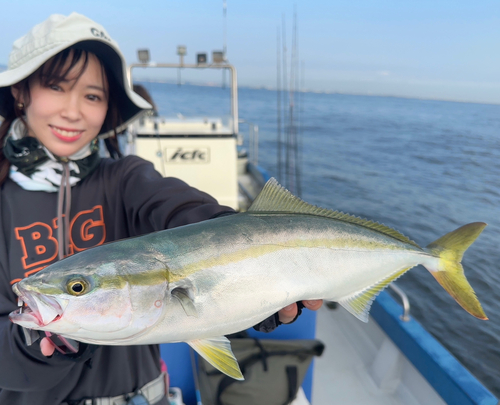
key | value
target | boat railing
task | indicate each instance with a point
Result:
(253, 141)
(217, 66)
(406, 302)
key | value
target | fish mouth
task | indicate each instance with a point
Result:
(35, 310)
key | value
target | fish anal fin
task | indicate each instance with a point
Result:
(217, 351)
(359, 303)
(186, 301)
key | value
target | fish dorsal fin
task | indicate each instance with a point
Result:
(275, 198)
(360, 302)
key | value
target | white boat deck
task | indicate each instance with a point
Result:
(361, 365)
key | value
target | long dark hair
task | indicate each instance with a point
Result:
(54, 71)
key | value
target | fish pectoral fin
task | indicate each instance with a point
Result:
(186, 301)
(217, 351)
(359, 303)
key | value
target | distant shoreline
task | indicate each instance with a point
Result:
(332, 92)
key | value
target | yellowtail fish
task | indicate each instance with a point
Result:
(200, 282)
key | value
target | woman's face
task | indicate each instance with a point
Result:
(68, 115)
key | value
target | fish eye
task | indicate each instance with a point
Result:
(77, 287)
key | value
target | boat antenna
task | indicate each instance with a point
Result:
(278, 107)
(181, 51)
(224, 47)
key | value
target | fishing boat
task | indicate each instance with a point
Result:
(204, 151)
(391, 359)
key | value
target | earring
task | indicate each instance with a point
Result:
(20, 105)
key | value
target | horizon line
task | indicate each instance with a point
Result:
(329, 92)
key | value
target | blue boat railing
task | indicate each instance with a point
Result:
(451, 380)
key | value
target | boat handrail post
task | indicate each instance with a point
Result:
(253, 141)
(234, 98)
(234, 81)
(406, 302)
(256, 144)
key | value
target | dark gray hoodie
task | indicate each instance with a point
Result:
(120, 199)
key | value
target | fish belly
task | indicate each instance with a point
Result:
(235, 296)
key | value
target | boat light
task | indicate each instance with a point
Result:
(143, 55)
(181, 50)
(201, 58)
(218, 56)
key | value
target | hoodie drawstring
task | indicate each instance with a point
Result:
(64, 203)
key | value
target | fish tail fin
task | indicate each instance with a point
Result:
(449, 273)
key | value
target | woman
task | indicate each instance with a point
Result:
(65, 86)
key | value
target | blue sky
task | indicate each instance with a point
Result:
(427, 49)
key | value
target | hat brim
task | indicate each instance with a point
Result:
(130, 105)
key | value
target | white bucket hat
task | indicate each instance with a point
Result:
(52, 36)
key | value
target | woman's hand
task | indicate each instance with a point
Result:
(47, 347)
(289, 313)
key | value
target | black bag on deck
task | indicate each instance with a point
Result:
(273, 371)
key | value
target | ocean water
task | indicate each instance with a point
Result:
(423, 167)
